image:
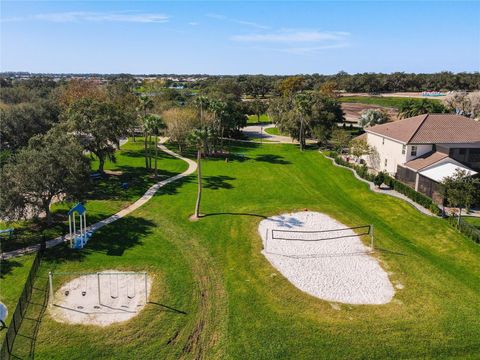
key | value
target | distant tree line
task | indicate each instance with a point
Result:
(259, 86)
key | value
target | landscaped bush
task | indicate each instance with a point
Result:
(466, 229)
(406, 190)
(379, 179)
(419, 198)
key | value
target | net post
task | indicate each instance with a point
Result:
(98, 288)
(50, 281)
(266, 239)
(371, 237)
(146, 287)
(271, 233)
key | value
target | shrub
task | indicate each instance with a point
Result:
(379, 179)
(466, 229)
(362, 171)
(435, 209)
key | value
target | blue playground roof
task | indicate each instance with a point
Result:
(79, 208)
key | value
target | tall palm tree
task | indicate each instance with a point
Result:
(202, 102)
(145, 104)
(302, 107)
(217, 107)
(154, 126)
(197, 139)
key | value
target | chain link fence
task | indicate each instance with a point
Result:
(22, 305)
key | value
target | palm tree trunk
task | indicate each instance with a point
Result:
(221, 139)
(101, 164)
(48, 214)
(146, 151)
(199, 191)
(156, 154)
(301, 134)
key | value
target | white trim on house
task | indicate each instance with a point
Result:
(387, 137)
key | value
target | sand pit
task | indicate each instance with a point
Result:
(353, 111)
(78, 301)
(339, 270)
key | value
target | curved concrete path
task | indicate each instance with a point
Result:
(192, 166)
(258, 132)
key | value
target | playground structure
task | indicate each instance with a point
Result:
(7, 233)
(78, 237)
(97, 298)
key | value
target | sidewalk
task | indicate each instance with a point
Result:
(192, 166)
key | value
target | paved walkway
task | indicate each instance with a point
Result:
(258, 132)
(192, 166)
(383, 191)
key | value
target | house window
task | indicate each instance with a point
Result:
(404, 148)
(385, 162)
(383, 141)
(462, 151)
(413, 152)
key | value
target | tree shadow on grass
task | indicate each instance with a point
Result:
(124, 234)
(234, 214)
(272, 159)
(172, 187)
(218, 182)
(7, 266)
(138, 180)
(111, 240)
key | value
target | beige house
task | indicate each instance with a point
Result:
(421, 151)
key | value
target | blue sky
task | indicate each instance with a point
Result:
(239, 37)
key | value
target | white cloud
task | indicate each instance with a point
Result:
(193, 23)
(241, 22)
(293, 37)
(311, 49)
(79, 16)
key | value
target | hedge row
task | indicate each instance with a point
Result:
(419, 198)
(466, 229)
(406, 190)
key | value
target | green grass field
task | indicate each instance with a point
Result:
(273, 131)
(475, 221)
(216, 296)
(253, 119)
(105, 197)
(13, 274)
(394, 102)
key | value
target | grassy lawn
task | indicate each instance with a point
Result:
(273, 131)
(216, 296)
(13, 274)
(394, 102)
(253, 119)
(105, 197)
(475, 221)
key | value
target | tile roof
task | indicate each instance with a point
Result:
(431, 129)
(425, 160)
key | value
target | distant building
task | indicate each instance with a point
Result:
(422, 150)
